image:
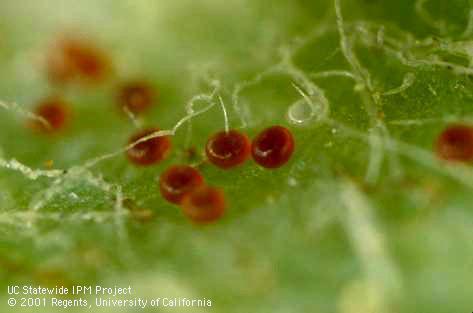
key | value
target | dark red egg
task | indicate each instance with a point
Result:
(228, 149)
(77, 58)
(455, 143)
(179, 180)
(148, 152)
(273, 147)
(204, 205)
(55, 112)
(136, 96)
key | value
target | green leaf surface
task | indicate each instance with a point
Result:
(364, 218)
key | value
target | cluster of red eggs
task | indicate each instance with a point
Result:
(184, 185)
(75, 60)
(79, 60)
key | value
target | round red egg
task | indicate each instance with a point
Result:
(178, 181)
(136, 96)
(148, 152)
(273, 147)
(455, 143)
(204, 205)
(228, 149)
(55, 112)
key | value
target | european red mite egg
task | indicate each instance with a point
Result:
(54, 111)
(455, 143)
(228, 149)
(150, 151)
(273, 147)
(73, 58)
(136, 96)
(179, 180)
(204, 205)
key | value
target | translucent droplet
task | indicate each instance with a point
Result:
(359, 87)
(300, 112)
(73, 195)
(292, 182)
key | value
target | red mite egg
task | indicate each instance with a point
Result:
(55, 112)
(150, 151)
(456, 144)
(204, 205)
(228, 149)
(136, 96)
(273, 147)
(179, 180)
(76, 58)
